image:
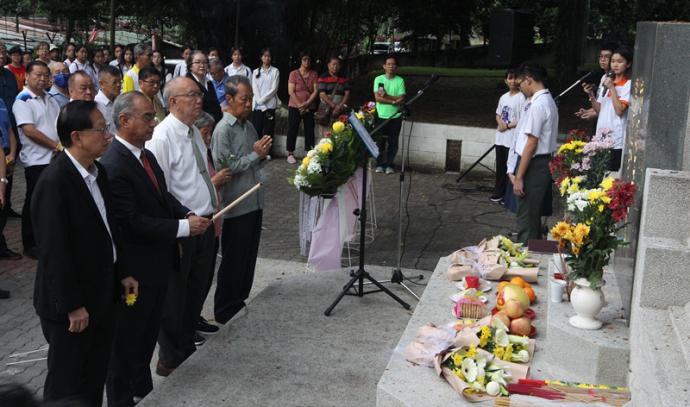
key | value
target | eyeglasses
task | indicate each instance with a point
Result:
(202, 63)
(152, 82)
(196, 95)
(102, 130)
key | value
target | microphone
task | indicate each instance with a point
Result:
(610, 74)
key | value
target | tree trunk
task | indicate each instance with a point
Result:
(572, 34)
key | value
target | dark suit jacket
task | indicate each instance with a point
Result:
(210, 102)
(75, 260)
(148, 220)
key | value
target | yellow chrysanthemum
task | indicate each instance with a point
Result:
(325, 148)
(485, 336)
(575, 249)
(601, 208)
(305, 160)
(563, 188)
(607, 183)
(457, 359)
(458, 373)
(508, 352)
(560, 230)
(472, 351)
(595, 195)
(130, 299)
(338, 126)
(606, 199)
(581, 230)
(499, 351)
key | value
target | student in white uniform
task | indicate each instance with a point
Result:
(613, 104)
(507, 115)
(535, 142)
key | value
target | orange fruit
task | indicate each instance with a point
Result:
(501, 285)
(518, 281)
(530, 293)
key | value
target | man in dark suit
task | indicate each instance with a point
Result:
(150, 221)
(76, 286)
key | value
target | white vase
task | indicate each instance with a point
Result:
(587, 302)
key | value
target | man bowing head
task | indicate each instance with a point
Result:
(76, 286)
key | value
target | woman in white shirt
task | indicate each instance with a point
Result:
(265, 87)
(237, 67)
(612, 105)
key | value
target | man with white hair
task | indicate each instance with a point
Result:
(178, 147)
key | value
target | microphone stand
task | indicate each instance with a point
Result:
(577, 82)
(397, 276)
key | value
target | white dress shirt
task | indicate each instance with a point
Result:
(539, 118)
(172, 146)
(183, 225)
(265, 88)
(105, 105)
(89, 177)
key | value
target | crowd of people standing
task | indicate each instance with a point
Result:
(126, 162)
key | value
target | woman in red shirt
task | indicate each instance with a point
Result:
(302, 88)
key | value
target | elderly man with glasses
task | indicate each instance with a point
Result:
(179, 149)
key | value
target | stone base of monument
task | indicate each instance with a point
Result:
(563, 352)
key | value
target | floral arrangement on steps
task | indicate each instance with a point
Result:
(596, 209)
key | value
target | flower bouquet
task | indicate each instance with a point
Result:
(331, 163)
(584, 160)
(477, 374)
(588, 234)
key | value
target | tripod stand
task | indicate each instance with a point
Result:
(361, 274)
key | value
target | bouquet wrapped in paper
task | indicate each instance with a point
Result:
(494, 259)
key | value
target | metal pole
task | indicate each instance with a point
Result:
(237, 24)
(112, 27)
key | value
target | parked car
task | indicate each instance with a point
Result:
(382, 48)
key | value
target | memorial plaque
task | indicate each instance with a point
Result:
(658, 123)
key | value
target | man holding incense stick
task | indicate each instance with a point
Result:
(236, 145)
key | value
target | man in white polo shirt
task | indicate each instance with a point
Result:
(36, 114)
(180, 152)
(536, 141)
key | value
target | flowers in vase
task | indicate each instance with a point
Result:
(581, 159)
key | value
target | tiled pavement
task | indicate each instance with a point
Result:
(443, 218)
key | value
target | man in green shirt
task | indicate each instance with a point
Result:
(389, 92)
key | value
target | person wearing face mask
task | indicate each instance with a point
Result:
(197, 68)
(60, 75)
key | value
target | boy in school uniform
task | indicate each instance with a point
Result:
(507, 116)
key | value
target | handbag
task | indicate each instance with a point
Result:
(324, 112)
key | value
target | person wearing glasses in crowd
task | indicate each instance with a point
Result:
(15, 66)
(265, 82)
(197, 68)
(149, 85)
(43, 52)
(76, 286)
(35, 113)
(179, 149)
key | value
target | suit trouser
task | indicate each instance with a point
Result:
(31, 175)
(77, 362)
(536, 184)
(501, 169)
(240, 246)
(185, 298)
(129, 373)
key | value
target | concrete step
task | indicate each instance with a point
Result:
(680, 318)
(599, 356)
(659, 376)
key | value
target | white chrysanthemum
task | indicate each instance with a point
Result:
(469, 370)
(314, 166)
(300, 181)
(311, 153)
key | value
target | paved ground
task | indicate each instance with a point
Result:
(442, 218)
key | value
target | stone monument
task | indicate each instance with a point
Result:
(658, 123)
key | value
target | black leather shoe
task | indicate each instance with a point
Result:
(4, 294)
(203, 327)
(8, 254)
